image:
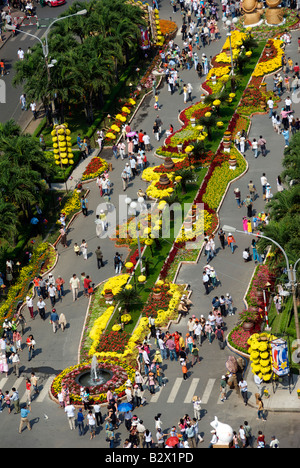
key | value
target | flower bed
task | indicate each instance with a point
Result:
(19, 290)
(121, 373)
(95, 168)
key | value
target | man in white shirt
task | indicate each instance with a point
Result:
(244, 390)
(70, 410)
(264, 181)
(75, 286)
(41, 308)
(205, 279)
(20, 53)
(33, 109)
(270, 104)
(146, 140)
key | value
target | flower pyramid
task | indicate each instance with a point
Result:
(62, 146)
(261, 355)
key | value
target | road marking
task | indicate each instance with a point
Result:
(3, 382)
(191, 392)
(17, 383)
(207, 391)
(174, 391)
(156, 396)
(45, 390)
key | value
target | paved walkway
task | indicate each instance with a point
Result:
(59, 351)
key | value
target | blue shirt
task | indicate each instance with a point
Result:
(80, 417)
(54, 317)
(24, 413)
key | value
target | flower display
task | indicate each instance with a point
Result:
(62, 146)
(261, 354)
(95, 168)
(120, 371)
(116, 283)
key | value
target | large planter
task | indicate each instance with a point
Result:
(169, 164)
(247, 326)
(164, 179)
(232, 163)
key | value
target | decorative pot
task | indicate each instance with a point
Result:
(232, 163)
(169, 164)
(227, 144)
(157, 295)
(109, 296)
(164, 179)
(247, 326)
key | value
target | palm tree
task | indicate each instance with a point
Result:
(187, 176)
(291, 160)
(8, 219)
(127, 298)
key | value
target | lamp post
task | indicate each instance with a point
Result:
(229, 23)
(291, 272)
(44, 44)
(133, 206)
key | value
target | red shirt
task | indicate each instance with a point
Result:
(86, 283)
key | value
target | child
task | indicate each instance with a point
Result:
(249, 226)
(183, 368)
(195, 355)
(91, 289)
(7, 401)
(76, 249)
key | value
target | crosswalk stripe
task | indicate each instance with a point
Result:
(17, 383)
(45, 390)
(191, 392)
(156, 396)
(207, 391)
(174, 390)
(3, 383)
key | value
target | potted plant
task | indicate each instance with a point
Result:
(157, 293)
(248, 318)
(108, 295)
(298, 393)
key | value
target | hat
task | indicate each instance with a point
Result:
(230, 234)
(213, 432)
(53, 310)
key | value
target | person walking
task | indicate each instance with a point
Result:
(262, 145)
(237, 195)
(99, 257)
(244, 390)
(231, 241)
(264, 181)
(118, 263)
(80, 422)
(197, 407)
(125, 179)
(84, 206)
(260, 411)
(54, 320)
(75, 286)
(70, 411)
(16, 363)
(205, 280)
(60, 287)
(83, 248)
(29, 304)
(24, 418)
(52, 294)
(248, 204)
(14, 398)
(91, 419)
